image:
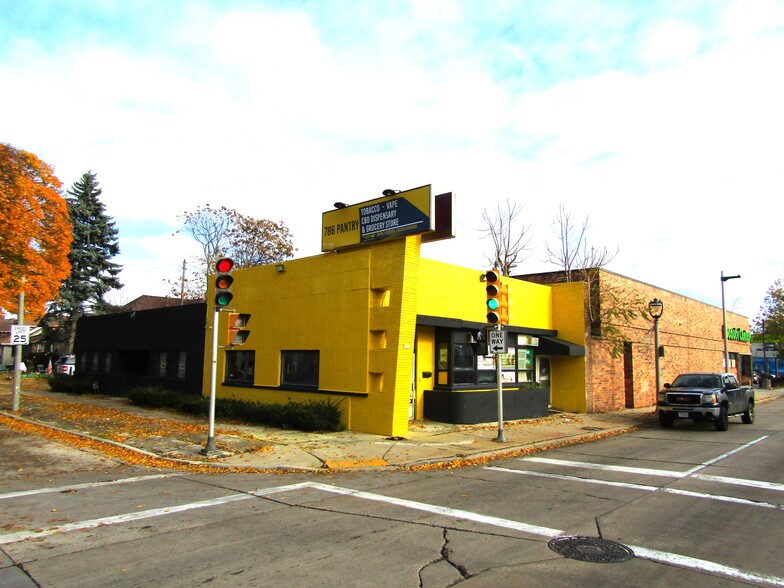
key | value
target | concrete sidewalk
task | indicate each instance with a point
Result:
(161, 437)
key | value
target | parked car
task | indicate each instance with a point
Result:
(759, 376)
(712, 396)
(65, 365)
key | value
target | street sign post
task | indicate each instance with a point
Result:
(496, 344)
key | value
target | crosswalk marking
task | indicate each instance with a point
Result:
(546, 532)
(130, 480)
(642, 487)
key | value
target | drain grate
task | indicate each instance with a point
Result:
(591, 549)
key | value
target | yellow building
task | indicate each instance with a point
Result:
(395, 337)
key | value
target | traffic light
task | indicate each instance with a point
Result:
(497, 305)
(236, 333)
(223, 281)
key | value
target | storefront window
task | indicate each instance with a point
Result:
(464, 370)
(181, 363)
(299, 369)
(240, 366)
(459, 361)
(525, 364)
(442, 365)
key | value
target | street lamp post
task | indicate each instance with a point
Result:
(656, 308)
(724, 321)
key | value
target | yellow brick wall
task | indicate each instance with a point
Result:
(568, 373)
(357, 307)
(452, 291)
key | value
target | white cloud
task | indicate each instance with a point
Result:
(671, 42)
(277, 118)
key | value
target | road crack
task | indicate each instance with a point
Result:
(440, 571)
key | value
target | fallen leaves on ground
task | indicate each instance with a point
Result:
(482, 460)
(102, 429)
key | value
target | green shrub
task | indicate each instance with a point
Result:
(70, 384)
(154, 397)
(313, 415)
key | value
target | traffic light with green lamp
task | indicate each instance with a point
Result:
(497, 302)
(223, 282)
(236, 333)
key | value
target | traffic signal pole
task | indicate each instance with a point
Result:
(497, 309)
(500, 387)
(210, 448)
(223, 297)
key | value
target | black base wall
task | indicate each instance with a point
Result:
(469, 408)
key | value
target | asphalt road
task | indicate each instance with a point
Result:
(691, 505)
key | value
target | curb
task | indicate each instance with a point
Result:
(342, 466)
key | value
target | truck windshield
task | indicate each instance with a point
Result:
(697, 381)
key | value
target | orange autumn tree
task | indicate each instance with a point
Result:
(35, 233)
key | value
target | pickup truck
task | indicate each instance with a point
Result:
(705, 396)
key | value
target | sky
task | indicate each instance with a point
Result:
(658, 122)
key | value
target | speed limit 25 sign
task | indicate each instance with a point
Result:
(20, 334)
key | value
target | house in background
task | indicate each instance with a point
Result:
(144, 345)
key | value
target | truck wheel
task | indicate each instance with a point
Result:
(665, 420)
(722, 422)
(748, 416)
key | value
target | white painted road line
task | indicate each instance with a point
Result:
(646, 471)
(442, 510)
(35, 491)
(606, 468)
(639, 552)
(721, 498)
(642, 487)
(702, 565)
(139, 515)
(574, 479)
(123, 518)
(717, 459)
(742, 482)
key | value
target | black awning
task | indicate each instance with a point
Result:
(556, 346)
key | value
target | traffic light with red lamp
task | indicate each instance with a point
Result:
(223, 282)
(497, 302)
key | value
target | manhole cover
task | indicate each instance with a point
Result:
(593, 549)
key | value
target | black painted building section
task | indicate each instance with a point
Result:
(469, 407)
(158, 347)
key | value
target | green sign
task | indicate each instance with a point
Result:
(738, 335)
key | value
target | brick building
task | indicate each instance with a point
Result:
(690, 336)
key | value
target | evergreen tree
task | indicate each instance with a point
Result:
(93, 274)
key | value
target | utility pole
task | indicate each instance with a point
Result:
(17, 392)
(182, 284)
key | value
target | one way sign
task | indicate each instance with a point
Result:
(496, 341)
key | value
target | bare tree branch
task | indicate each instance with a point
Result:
(572, 252)
(510, 242)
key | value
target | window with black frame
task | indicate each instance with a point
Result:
(240, 366)
(459, 364)
(299, 369)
